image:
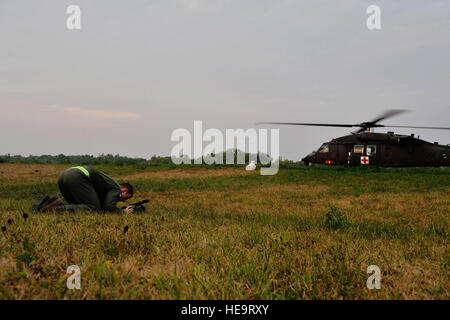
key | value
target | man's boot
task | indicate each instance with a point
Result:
(52, 203)
(41, 203)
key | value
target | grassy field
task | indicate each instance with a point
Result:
(224, 233)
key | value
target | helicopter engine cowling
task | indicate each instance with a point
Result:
(369, 136)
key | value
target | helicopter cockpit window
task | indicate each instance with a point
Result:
(371, 150)
(324, 148)
(358, 149)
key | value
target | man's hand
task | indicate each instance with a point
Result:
(129, 209)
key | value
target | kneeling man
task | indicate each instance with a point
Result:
(88, 189)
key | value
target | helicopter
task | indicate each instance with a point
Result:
(366, 147)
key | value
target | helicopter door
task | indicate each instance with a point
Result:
(341, 154)
(386, 157)
(355, 154)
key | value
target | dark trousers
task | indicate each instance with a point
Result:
(78, 191)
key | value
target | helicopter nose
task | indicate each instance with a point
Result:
(309, 158)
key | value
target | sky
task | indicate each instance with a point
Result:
(138, 70)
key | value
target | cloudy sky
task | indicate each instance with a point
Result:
(137, 70)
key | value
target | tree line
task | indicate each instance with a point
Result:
(123, 160)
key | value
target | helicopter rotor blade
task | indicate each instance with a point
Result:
(412, 127)
(387, 114)
(374, 123)
(362, 126)
(312, 124)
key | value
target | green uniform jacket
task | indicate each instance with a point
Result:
(86, 187)
(108, 190)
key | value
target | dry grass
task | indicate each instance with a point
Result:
(16, 173)
(227, 234)
(185, 173)
(13, 173)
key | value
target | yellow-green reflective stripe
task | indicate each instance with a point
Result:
(83, 170)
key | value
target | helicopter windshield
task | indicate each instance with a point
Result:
(324, 148)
